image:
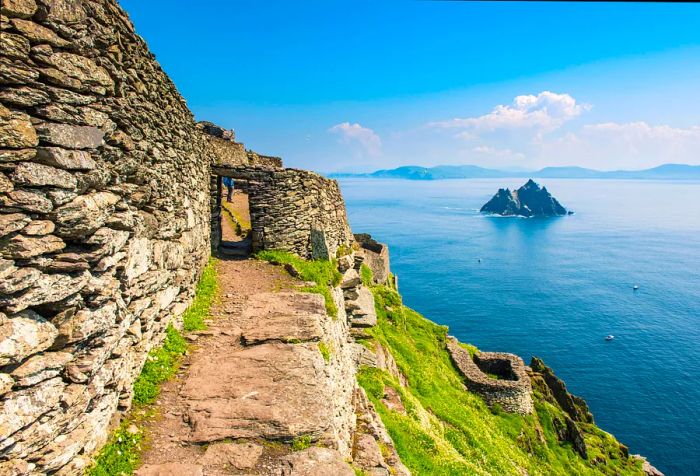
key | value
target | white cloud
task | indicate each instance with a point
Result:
(631, 145)
(356, 133)
(498, 153)
(545, 112)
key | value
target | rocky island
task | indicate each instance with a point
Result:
(530, 200)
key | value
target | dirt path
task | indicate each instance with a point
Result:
(243, 393)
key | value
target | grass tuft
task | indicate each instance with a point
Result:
(193, 319)
(366, 275)
(326, 350)
(322, 272)
(301, 443)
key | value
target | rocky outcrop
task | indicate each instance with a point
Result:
(528, 201)
(575, 408)
(376, 257)
(498, 377)
(104, 222)
(358, 299)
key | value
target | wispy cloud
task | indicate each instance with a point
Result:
(365, 136)
(544, 112)
(489, 151)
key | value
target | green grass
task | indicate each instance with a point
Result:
(326, 351)
(161, 364)
(121, 454)
(193, 319)
(366, 275)
(322, 272)
(449, 431)
(301, 443)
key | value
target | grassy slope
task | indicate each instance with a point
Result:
(121, 454)
(450, 431)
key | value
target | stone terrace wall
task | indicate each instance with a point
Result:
(513, 395)
(294, 210)
(104, 222)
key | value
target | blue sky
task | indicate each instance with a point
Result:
(354, 86)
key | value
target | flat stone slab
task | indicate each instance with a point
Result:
(315, 461)
(273, 390)
(283, 316)
(170, 469)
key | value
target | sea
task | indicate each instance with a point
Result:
(556, 287)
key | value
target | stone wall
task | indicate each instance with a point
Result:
(104, 222)
(293, 210)
(512, 390)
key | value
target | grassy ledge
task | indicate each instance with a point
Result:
(121, 455)
(322, 272)
(447, 430)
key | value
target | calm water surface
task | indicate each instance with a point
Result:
(556, 287)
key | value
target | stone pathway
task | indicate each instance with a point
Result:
(254, 381)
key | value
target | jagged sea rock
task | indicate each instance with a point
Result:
(528, 201)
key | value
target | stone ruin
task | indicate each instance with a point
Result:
(108, 214)
(511, 389)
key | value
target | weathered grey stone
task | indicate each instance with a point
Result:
(23, 335)
(51, 288)
(16, 130)
(38, 175)
(18, 8)
(14, 46)
(62, 11)
(5, 184)
(16, 467)
(81, 68)
(24, 96)
(39, 228)
(240, 456)
(85, 214)
(351, 279)
(65, 159)
(6, 383)
(29, 200)
(20, 280)
(362, 309)
(20, 246)
(37, 33)
(40, 367)
(25, 406)
(70, 136)
(16, 155)
(315, 461)
(85, 323)
(7, 267)
(13, 222)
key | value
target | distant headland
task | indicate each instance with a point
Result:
(530, 200)
(440, 172)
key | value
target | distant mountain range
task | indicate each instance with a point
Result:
(440, 172)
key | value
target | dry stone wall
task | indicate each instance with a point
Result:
(104, 223)
(512, 390)
(293, 210)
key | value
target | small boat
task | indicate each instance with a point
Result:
(635, 287)
(609, 337)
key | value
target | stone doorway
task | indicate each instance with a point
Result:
(231, 226)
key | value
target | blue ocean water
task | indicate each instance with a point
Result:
(556, 287)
